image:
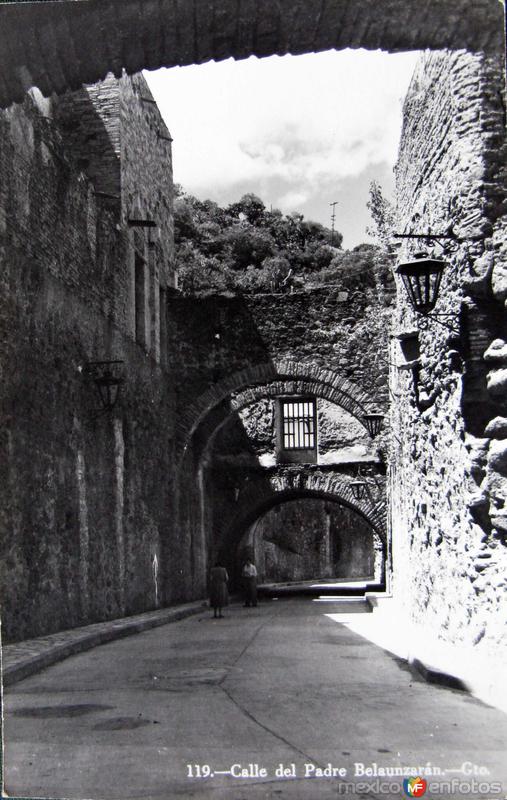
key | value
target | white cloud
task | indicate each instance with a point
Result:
(296, 123)
(292, 201)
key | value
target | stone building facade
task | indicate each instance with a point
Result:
(80, 284)
(449, 478)
(111, 513)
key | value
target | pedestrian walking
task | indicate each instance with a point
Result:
(218, 592)
(250, 583)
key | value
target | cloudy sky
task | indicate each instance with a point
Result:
(299, 131)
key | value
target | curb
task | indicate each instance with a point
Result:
(86, 638)
(431, 674)
(435, 676)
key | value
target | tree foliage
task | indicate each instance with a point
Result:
(247, 248)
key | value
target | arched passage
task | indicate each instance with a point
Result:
(265, 495)
(279, 487)
(59, 46)
(270, 379)
(313, 539)
(229, 496)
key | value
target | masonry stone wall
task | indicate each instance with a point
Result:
(337, 329)
(449, 413)
(340, 435)
(86, 502)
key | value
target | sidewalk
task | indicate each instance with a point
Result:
(25, 658)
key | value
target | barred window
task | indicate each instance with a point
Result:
(298, 424)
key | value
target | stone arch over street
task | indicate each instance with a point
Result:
(59, 46)
(282, 487)
(251, 487)
(279, 488)
(269, 380)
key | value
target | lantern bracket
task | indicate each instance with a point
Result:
(440, 318)
(423, 275)
(450, 245)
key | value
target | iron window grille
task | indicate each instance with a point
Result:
(298, 424)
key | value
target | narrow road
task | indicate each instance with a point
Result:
(283, 684)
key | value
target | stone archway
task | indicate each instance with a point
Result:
(59, 46)
(267, 380)
(312, 538)
(207, 416)
(285, 485)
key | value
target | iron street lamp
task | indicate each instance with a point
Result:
(373, 422)
(422, 276)
(362, 485)
(108, 380)
(421, 279)
(358, 489)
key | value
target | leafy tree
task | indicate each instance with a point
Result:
(246, 248)
(249, 246)
(250, 207)
(185, 226)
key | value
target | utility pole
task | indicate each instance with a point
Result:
(333, 217)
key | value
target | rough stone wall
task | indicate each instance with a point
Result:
(85, 517)
(449, 418)
(89, 123)
(344, 331)
(340, 435)
(81, 42)
(147, 178)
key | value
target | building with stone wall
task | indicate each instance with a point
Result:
(449, 479)
(83, 282)
(233, 358)
(108, 513)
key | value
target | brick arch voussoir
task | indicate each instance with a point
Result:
(253, 382)
(264, 493)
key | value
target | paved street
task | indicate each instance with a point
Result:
(279, 684)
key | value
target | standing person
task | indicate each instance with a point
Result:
(250, 583)
(218, 594)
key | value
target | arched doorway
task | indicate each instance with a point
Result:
(308, 539)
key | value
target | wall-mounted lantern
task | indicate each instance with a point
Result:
(358, 485)
(363, 485)
(108, 378)
(373, 422)
(358, 488)
(422, 276)
(421, 279)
